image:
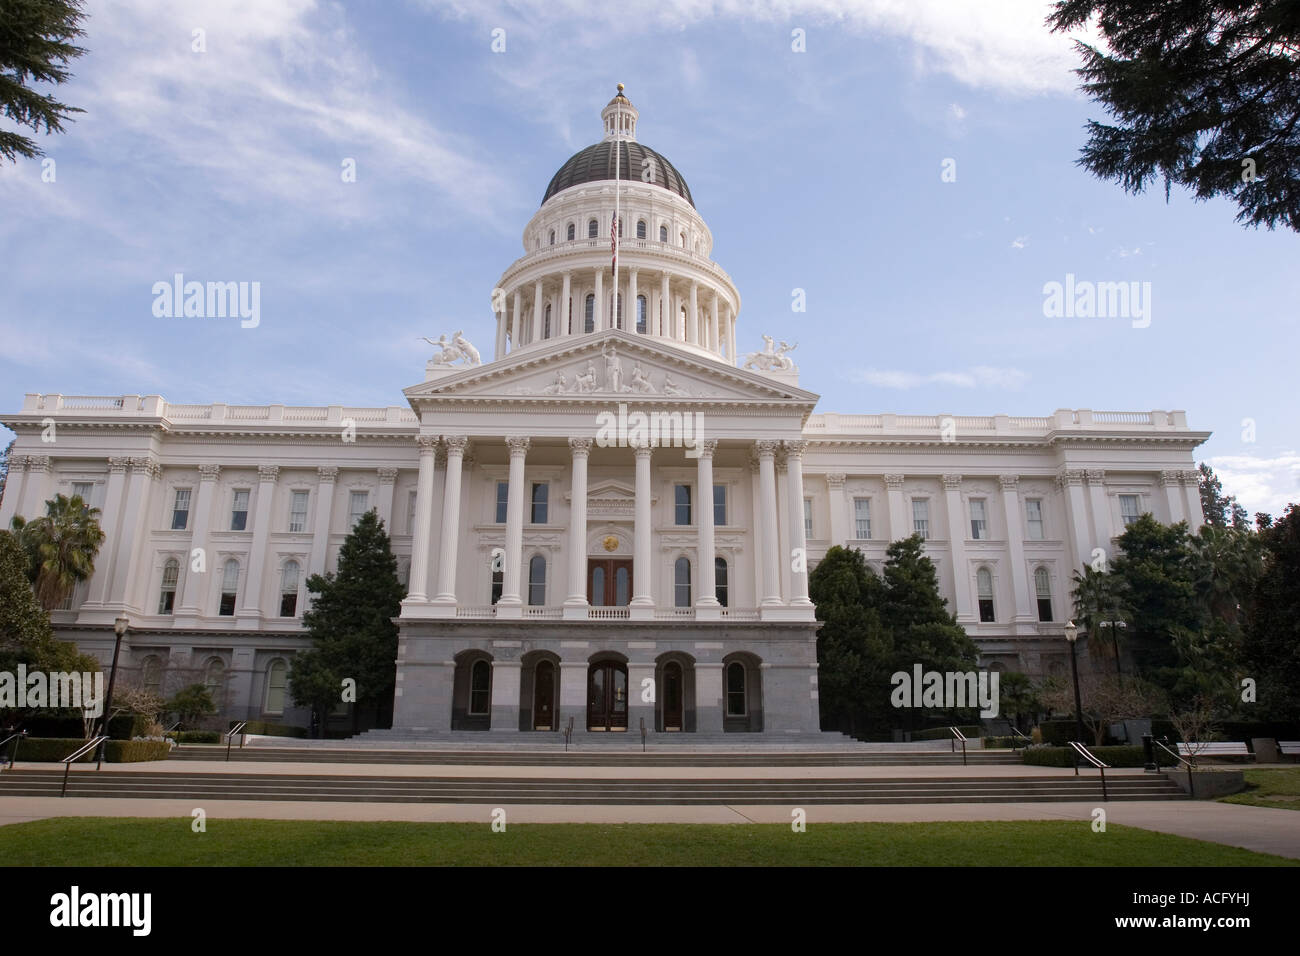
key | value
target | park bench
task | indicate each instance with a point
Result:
(1216, 749)
(1289, 748)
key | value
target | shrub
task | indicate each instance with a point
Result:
(1120, 756)
(195, 736)
(121, 727)
(943, 733)
(1003, 743)
(56, 749)
(135, 751)
(272, 730)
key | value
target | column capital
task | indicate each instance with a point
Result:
(427, 443)
(139, 466)
(1095, 476)
(268, 472)
(836, 479)
(1069, 476)
(707, 447)
(327, 474)
(1168, 478)
(387, 475)
(765, 448)
(42, 462)
(642, 451)
(116, 466)
(518, 445)
(1192, 478)
(209, 472)
(782, 461)
(581, 447)
(1009, 482)
(456, 443)
(952, 482)
(894, 481)
(795, 448)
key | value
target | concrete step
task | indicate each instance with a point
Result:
(588, 758)
(393, 789)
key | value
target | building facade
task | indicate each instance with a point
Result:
(608, 524)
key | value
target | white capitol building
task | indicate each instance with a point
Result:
(552, 562)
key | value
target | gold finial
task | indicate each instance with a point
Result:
(620, 89)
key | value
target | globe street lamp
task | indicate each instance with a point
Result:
(120, 626)
(1115, 627)
(1072, 635)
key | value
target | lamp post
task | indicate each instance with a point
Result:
(1114, 624)
(1072, 635)
(120, 626)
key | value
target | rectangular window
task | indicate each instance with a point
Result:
(719, 505)
(1130, 508)
(239, 510)
(979, 528)
(82, 490)
(498, 581)
(298, 511)
(921, 517)
(862, 518)
(682, 499)
(540, 495)
(229, 588)
(181, 510)
(503, 500)
(986, 610)
(807, 518)
(358, 505)
(1034, 519)
(410, 513)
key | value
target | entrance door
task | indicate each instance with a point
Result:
(672, 696)
(609, 582)
(544, 696)
(607, 696)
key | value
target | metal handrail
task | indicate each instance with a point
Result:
(1021, 734)
(643, 733)
(956, 736)
(568, 734)
(85, 748)
(230, 737)
(1081, 751)
(13, 753)
(1188, 764)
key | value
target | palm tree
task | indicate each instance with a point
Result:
(1097, 604)
(1227, 562)
(61, 546)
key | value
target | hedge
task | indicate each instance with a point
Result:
(195, 736)
(272, 730)
(943, 733)
(1119, 756)
(55, 750)
(1059, 733)
(121, 727)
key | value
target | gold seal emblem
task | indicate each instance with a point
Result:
(610, 543)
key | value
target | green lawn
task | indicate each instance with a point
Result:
(99, 841)
(1270, 788)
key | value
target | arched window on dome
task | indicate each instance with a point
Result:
(589, 319)
(683, 240)
(640, 228)
(663, 233)
(572, 231)
(592, 227)
(546, 324)
(552, 237)
(640, 314)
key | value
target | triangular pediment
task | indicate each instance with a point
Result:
(607, 365)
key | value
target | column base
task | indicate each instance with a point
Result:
(509, 612)
(575, 612)
(641, 612)
(708, 612)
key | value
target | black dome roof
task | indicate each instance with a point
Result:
(596, 164)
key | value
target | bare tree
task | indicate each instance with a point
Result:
(1105, 700)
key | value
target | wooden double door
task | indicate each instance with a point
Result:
(607, 696)
(609, 582)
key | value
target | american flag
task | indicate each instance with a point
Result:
(613, 241)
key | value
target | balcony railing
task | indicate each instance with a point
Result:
(557, 613)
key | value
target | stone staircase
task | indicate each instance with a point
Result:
(584, 791)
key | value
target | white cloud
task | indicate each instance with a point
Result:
(1019, 242)
(1260, 484)
(956, 112)
(1003, 45)
(980, 376)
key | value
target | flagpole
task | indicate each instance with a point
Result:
(618, 215)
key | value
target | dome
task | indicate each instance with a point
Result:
(596, 164)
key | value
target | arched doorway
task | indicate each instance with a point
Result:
(674, 698)
(607, 696)
(544, 696)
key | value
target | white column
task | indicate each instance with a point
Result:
(501, 332)
(191, 580)
(1172, 482)
(706, 585)
(129, 536)
(713, 324)
(665, 306)
(510, 594)
(1195, 512)
(14, 482)
(516, 328)
(418, 582)
(760, 546)
(693, 317)
(731, 335)
(631, 302)
(387, 481)
(565, 294)
(899, 525)
(537, 311)
(767, 517)
(642, 578)
(798, 579)
(957, 549)
(598, 323)
(267, 475)
(435, 517)
(36, 490)
(840, 521)
(1026, 612)
(1071, 482)
(450, 520)
(1100, 507)
(581, 450)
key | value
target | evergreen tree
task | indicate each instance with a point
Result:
(1220, 510)
(351, 625)
(852, 648)
(36, 46)
(1271, 642)
(4, 467)
(1205, 94)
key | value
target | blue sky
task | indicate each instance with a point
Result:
(816, 170)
